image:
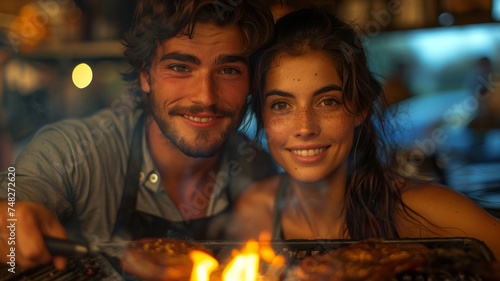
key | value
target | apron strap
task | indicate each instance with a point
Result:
(129, 197)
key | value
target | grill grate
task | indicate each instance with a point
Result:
(78, 269)
(445, 268)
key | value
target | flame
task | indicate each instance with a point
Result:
(203, 265)
(244, 265)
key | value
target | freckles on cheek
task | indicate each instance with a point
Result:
(274, 126)
(276, 131)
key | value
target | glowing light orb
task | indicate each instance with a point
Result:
(82, 75)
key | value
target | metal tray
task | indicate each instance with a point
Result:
(298, 249)
(447, 265)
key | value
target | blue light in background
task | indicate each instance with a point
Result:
(495, 10)
(439, 61)
(436, 48)
(438, 58)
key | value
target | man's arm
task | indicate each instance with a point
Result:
(22, 240)
(34, 194)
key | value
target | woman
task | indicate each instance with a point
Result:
(319, 107)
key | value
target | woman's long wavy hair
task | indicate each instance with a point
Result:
(371, 199)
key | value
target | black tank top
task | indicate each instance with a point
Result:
(279, 205)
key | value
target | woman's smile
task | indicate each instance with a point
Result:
(308, 152)
(309, 156)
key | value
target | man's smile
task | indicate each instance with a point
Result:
(199, 119)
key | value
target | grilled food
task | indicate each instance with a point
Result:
(366, 260)
(374, 260)
(160, 259)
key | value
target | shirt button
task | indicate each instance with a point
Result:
(141, 176)
(153, 178)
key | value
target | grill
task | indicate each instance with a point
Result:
(106, 267)
(78, 269)
(448, 267)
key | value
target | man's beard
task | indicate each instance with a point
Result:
(206, 142)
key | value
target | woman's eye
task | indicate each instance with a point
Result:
(179, 68)
(279, 105)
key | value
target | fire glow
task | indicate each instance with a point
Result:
(244, 264)
(203, 265)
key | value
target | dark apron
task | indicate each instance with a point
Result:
(132, 224)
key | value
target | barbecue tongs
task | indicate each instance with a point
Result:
(64, 247)
(69, 248)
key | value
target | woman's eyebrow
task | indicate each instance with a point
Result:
(317, 92)
(278, 93)
(327, 89)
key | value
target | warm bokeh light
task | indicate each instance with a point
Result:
(266, 251)
(82, 75)
(203, 265)
(29, 29)
(278, 261)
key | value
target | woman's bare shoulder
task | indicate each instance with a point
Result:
(418, 186)
(443, 206)
(416, 192)
(446, 212)
(432, 198)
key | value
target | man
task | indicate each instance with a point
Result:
(171, 169)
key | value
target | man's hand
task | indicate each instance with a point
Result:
(33, 222)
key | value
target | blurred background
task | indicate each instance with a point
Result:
(439, 62)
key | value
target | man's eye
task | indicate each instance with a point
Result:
(329, 102)
(230, 71)
(179, 68)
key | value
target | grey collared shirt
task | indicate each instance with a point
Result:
(77, 169)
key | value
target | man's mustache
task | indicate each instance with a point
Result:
(195, 109)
